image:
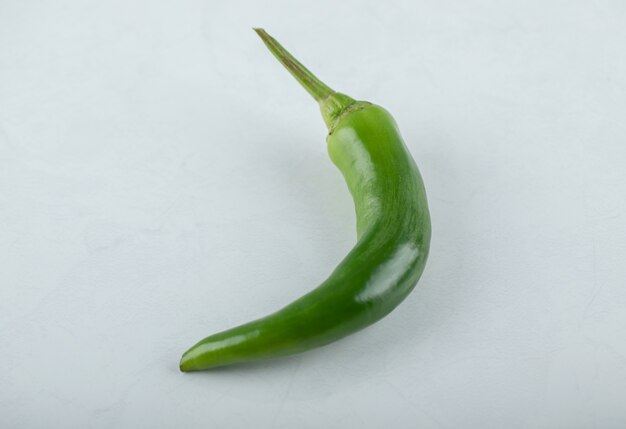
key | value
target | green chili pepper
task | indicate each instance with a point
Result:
(393, 229)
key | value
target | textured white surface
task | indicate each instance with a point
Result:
(162, 178)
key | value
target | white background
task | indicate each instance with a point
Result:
(163, 178)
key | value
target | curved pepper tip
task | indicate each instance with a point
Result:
(185, 364)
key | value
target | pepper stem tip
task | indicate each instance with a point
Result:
(308, 80)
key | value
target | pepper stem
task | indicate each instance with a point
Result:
(312, 84)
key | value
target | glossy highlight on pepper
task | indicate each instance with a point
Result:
(393, 237)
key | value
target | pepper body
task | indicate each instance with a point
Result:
(393, 230)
